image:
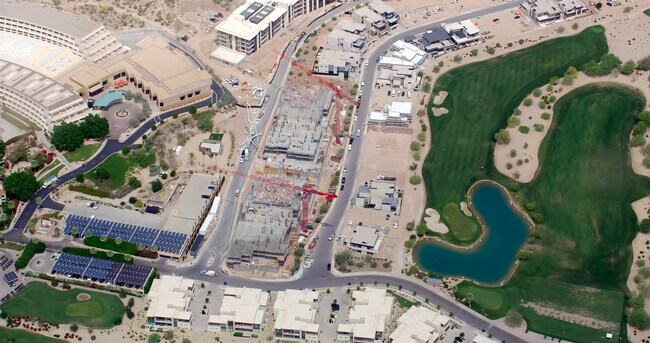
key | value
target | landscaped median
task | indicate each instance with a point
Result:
(24, 336)
(31, 249)
(104, 255)
(118, 245)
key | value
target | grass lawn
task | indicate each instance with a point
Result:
(54, 172)
(46, 170)
(481, 97)
(19, 121)
(24, 336)
(117, 166)
(62, 307)
(462, 228)
(584, 187)
(11, 246)
(82, 153)
(401, 301)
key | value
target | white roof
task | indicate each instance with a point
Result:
(470, 27)
(237, 25)
(295, 310)
(377, 116)
(402, 107)
(367, 13)
(370, 314)
(170, 297)
(48, 59)
(340, 34)
(419, 324)
(241, 305)
(228, 55)
(348, 25)
(380, 7)
(484, 339)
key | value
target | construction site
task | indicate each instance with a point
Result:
(299, 127)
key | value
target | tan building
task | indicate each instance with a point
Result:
(368, 318)
(162, 73)
(420, 325)
(242, 310)
(40, 99)
(295, 314)
(168, 302)
(78, 33)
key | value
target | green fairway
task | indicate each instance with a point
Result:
(62, 307)
(647, 12)
(481, 97)
(82, 153)
(117, 166)
(24, 336)
(462, 228)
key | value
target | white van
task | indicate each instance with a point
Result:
(408, 94)
(393, 93)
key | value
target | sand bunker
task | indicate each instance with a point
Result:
(438, 111)
(465, 209)
(83, 296)
(440, 98)
(433, 221)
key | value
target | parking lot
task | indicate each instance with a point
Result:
(11, 280)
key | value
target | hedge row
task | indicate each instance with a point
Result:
(110, 244)
(89, 190)
(32, 248)
(121, 258)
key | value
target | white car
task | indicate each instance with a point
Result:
(362, 83)
(331, 237)
(345, 170)
(358, 133)
(395, 225)
(356, 117)
(367, 62)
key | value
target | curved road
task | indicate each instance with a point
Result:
(317, 276)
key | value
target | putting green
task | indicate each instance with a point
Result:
(463, 228)
(87, 308)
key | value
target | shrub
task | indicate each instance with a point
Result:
(491, 50)
(415, 179)
(644, 225)
(80, 177)
(513, 122)
(546, 116)
(528, 102)
(538, 218)
(513, 187)
(638, 141)
(524, 129)
(644, 63)
(537, 92)
(126, 150)
(502, 137)
(538, 127)
(89, 190)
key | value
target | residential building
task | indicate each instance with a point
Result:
(368, 317)
(386, 11)
(437, 40)
(420, 325)
(463, 33)
(363, 239)
(402, 53)
(295, 314)
(78, 33)
(348, 25)
(542, 11)
(346, 40)
(572, 8)
(481, 338)
(209, 146)
(379, 195)
(373, 21)
(254, 23)
(42, 100)
(397, 76)
(168, 302)
(338, 63)
(242, 310)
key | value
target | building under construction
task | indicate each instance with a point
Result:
(266, 226)
(299, 125)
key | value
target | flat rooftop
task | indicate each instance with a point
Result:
(194, 197)
(348, 25)
(48, 59)
(247, 20)
(32, 84)
(73, 25)
(419, 324)
(241, 305)
(296, 310)
(170, 297)
(368, 14)
(369, 314)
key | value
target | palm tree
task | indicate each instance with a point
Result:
(39, 201)
(153, 248)
(140, 247)
(93, 251)
(191, 158)
(470, 298)
(11, 205)
(118, 240)
(103, 238)
(88, 234)
(75, 232)
(3, 218)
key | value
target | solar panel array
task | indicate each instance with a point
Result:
(103, 271)
(165, 241)
(10, 277)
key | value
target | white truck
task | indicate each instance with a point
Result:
(246, 154)
(208, 273)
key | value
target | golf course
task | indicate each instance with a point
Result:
(582, 192)
(39, 300)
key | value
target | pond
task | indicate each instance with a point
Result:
(489, 260)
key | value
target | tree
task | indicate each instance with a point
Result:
(638, 141)
(37, 160)
(537, 92)
(126, 150)
(156, 185)
(3, 148)
(513, 122)
(599, 5)
(21, 185)
(118, 241)
(74, 327)
(18, 153)
(627, 68)
(639, 319)
(39, 201)
(94, 126)
(644, 63)
(415, 179)
(415, 146)
(502, 137)
(410, 226)
(640, 128)
(79, 177)
(154, 338)
(134, 182)
(567, 80)
(102, 174)
(204, 123)
(644, 225)
(75, 232)
(192, 110)
(572, 71)
(67, 136)
(514, 319)
(474, 52)
(470, 298)
(538, 127)
(528, 102)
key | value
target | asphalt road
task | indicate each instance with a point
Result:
(317, 276)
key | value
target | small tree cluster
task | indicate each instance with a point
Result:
(70, 136)
(607, 63)
(639, 129)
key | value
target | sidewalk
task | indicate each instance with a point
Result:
(59, 156)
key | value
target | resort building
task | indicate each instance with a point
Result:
(337, 63)
(295, 315)
(368, 318)
(38, 98)
(168, 302)
(78, 33)
(242, 310)
(254, 23)
(420, 325)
